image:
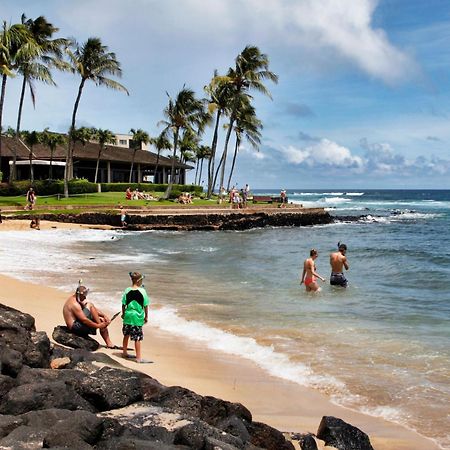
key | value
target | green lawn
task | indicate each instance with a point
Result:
(108, 199)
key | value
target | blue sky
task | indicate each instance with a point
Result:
(363, 99)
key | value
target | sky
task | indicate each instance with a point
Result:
(363, 98)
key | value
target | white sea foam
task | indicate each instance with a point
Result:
(332, 193)
(336, 200)
(276, 364)
(354, 194)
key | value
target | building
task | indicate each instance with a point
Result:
(114, 166)
(125, 141)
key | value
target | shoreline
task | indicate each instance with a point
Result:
(188, 364)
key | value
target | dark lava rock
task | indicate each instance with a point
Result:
(23, 438)
(235, 426)
(38, 353)
(62, 335)
(13, 319)
(337, 433)
(35, 396)
(67, 439)
(11, 361)
(265, 436)
(210, 409)
(214, 444)
(6, 384)
(8, 424)
(31, 376)
(307, 441)
(130, 443)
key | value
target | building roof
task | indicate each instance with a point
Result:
(89, 151)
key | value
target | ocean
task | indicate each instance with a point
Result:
(381, 346)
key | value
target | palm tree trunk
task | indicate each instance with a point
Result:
(213, 156)
(217, 174)
(236, 148)
(225, 149)
(196, 170)
(132, 164)
(96, 167)
(2, 101)
(50, 173)
(68, 173)
(156, 166)
(172, 170)
(12, 175)
(31, 166)
(200, 174)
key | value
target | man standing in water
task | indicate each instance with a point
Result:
(310, 275)
(338, 261)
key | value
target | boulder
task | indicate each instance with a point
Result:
(337, 433)
(8, 424)
(11, 361)
(110, 388)
(131, 443)
(67, 439)
(23, 438)
(62, 335)
(150, 387)
(235, 426)
(13, 319)
(35, 396)
(38, 350)
(210, 409)
(214, 444)
(265, 436)
(60, 363)
(68, 376)
(6, 384)
(307, 441)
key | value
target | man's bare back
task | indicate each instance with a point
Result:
(338, 261)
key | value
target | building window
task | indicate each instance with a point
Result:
(123, 142)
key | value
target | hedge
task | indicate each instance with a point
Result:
(82, 186)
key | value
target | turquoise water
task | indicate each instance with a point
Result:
(381, 346)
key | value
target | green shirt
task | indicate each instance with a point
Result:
(135, 301)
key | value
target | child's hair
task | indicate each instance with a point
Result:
(313, 252)
(136, 277)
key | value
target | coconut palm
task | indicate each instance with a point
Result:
(15, 43)
(161, 143)
(52, 140)
(103, 137)
(202, 152)
(92, 62)
(31, 138)
(247, 126)
(250, 72)
(182, 113)
(189, 143)
(37, 67)
(139, 137)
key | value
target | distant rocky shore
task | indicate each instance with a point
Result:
(58, 397)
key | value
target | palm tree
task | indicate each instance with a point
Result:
(52, 140)
(250, 72)
(103, 137)
(247, 125)
(202, 152)
(219, 91)
(15, 43)
(139, 137)
(92, 62)
(189, 143)
(37, 67)
(161, 143)
(31, 138)
(182, 113)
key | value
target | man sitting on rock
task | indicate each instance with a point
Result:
(83, 318)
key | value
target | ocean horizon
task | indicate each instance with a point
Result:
(381, 347)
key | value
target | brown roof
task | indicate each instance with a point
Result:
(88, 152)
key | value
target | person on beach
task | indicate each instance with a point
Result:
(135, 303)
(31, 199)
(338, 261)
(83, 318)
(283, 198)
(123, 217)
(310, 274)
(128, 194)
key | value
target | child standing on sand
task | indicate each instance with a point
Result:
(135, 303)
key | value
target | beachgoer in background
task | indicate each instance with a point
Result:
(35, 223)
(310, 274)
(222, 195)
(31, 199)
(83, 318)
(338, 261)
(244, 197)
(123, 216)
(128, 194)
(135, 303)
(283, 198)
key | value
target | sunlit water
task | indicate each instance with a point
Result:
(382, 346)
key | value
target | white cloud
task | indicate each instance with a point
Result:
(323, 153)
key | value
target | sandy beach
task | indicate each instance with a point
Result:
(284, 405)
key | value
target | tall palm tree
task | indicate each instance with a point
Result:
(161, 143)
(37, 67)
(219, 91)
(250, 72)
(189, 143)
(183, 112)
(103, 137)
(31, 138)
(15, 43)
(92, 62)
(202, 152)
(139, 137)
(247, 125)
(52, 140)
